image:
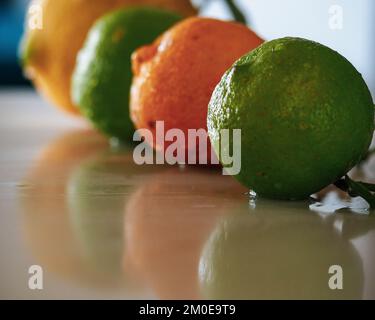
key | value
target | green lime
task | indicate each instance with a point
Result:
(305, 113)
(102, 77)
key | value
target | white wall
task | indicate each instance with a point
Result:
(310, 19)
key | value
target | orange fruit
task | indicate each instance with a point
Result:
(49, 54)
(175, 76)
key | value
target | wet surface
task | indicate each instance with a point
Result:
(102, 227)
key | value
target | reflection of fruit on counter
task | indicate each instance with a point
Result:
(50, 171)
(306, 115)
(167, 221)
(102, 77)
(283, 254)
(46, 222)
(75, 228)
(175, 76)
(49, 54)
(356, 225)
(96, 194)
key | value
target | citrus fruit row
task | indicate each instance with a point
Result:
(305, 113)
(48, 53)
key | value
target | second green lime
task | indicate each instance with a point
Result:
(102, 77)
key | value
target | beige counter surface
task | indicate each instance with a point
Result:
(100, 226)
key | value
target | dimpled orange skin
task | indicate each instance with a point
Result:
(175, 76)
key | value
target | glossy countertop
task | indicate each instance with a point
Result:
(102, 227)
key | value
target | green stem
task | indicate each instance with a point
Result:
(369, 186)
(358, 189)
(236, 12)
